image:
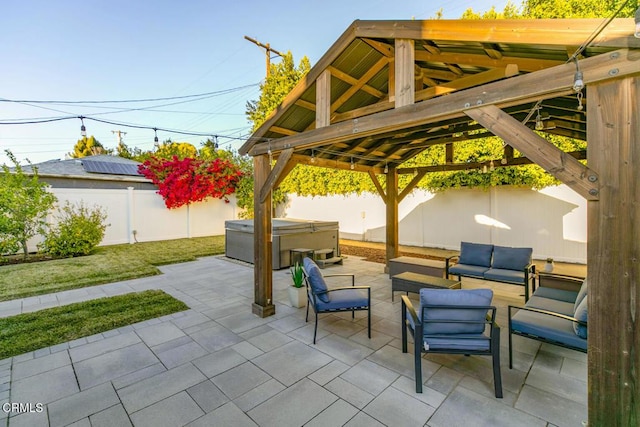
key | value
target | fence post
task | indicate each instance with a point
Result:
(131, 230)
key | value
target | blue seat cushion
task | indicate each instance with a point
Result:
(454, 320)
(511, 258)
(471, 342)
(581, 314)
(548, 327)
(468, 270)
(475, 254)
(553, 293)
(550, 304)
(509, 276)
(316, 281)
(342, 299)
(581, 294)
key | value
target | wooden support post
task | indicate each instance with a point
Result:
(323, 99)
(404, 72)
(392, 215)
(613, 247)
(262, 268)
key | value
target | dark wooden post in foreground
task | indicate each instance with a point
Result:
(613, 252)
(262, 269)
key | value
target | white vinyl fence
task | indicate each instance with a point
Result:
(141, 215)
(552, 221)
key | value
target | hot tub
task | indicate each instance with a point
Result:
(287, 234)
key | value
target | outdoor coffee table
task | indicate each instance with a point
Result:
(413, 282)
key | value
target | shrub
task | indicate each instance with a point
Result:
(78, 231)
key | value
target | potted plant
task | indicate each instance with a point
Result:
(297, 291)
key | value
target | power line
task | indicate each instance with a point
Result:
(170, 98)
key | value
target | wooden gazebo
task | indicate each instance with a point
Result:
(387, 90)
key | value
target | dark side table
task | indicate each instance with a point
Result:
(413, 282)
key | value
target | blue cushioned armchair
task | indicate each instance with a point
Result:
(324, 300)
(453, 321)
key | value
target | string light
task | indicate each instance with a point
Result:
(352, 165)
(491, 166)
(539, 124)
(83, 129)
(386, 168)
(578, 82)
(313, 157)
(636, 34)
(155, 138)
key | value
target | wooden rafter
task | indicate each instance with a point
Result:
(525, 64)
(521, 89)
(275, 173)
(555, 161)
(359, 84)
(353, 82)
(376, 183)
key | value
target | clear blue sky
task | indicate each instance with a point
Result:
(75, 50)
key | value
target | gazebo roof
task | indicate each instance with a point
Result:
(457, 64)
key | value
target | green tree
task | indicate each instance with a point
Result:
(88, 147)
(283, 77)
(182, 150)
(24, 204)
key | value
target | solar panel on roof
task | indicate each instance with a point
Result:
(112, 168)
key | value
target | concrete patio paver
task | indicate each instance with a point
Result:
(218, 364)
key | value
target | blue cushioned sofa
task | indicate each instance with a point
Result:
(496, 263)
(555, 315)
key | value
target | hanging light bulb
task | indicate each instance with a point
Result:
(484, 169)
(503, 161)
(415, 172)
(578, 78)
(155, 138)
(313, 156)
(491, 166)
(386, 168)
(352, 165)
(215, 143)
(539, 124)
(636, 34)
(83, 130)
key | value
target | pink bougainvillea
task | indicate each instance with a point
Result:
(181, 182)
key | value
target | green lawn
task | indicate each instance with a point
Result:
(108, 264)
(31, 331)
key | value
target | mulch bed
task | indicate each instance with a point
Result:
(375, 254)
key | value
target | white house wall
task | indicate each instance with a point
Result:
(552, 222)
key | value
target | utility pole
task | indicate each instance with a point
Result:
(119, 135)
(267, 49)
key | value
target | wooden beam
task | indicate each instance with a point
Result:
(391, 242)
(404, 73)
(497, 163)
(353, 81)
(262, 253)
(381, 192)
(306, 104)
(275, 174)
(323, 99)
(469, 81)
(448, 155)
(409, 188)
(334, 164)
(525, 64)
(548, 83)
(555, 161)
(283, 131)
(612, 254)
(383, 48)
(551, 32)
(359, 84)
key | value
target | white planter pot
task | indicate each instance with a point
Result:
(297, 296)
